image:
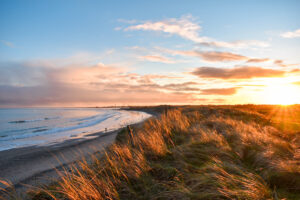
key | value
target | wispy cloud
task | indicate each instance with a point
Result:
(214, 56)
(220, 56)
(157, 58)
(188, 28)
(281, 63)
(242, 72)
(210, 56)
(133, 21)
(118, 28)
(184, 27)
(239, 44)
(258, 60)
(291, 34)
(7, 43)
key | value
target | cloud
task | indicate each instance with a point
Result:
(219, 91)
(212, 56)
(118, 28)
(40, 72)
(70, 95)
(294, 71)
(187, 28)
(235, 44)
(291, 34)
(157, 58)
(7, 43)
(258, 60)
(127, 21)
(184, 87)
(149, 85)
(242, 72)
(215, 56)
(282, 64)
(35, 84)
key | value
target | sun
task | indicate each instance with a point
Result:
(283, 94)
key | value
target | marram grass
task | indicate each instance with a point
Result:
(190, 153)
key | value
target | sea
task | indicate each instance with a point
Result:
(25, 127)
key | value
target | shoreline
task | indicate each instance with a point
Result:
(29, 167)
(38, 165)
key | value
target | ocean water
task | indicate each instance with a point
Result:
(23, 127)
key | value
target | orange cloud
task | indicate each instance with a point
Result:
(258, 60)
(213, 56)
(87, 85)
(221, 56)
(243, 72)
(219, 91)
(282, 64)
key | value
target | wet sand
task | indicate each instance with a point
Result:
(37, 165)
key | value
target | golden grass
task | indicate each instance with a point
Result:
(9, 192)
(190, 153)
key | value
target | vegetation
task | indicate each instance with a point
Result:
(193, 152)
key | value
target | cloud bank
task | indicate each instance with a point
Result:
(35, 84)
(242, 72)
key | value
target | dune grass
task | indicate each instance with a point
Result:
(201, 152)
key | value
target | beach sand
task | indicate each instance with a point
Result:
(34, 166)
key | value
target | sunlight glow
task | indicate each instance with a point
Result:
(283, 94)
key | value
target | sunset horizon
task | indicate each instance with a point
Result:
(136, 99)
(139, 53)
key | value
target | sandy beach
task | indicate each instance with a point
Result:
(34, 166)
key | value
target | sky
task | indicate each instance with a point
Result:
(104, 53)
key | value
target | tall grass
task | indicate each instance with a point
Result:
(190, 153)
(8, 191)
